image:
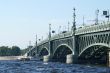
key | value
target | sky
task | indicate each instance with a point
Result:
(22, 20)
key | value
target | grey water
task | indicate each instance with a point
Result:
(51, 67)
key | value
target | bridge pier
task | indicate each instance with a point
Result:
(46, 58)
(70, 58)
(108, 58)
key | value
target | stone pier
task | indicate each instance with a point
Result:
(69, 59)
(46, 58)
(108, 58)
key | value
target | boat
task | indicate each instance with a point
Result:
(34, 59)
(24, 58)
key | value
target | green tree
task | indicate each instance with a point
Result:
(15, 51)
(5, 51)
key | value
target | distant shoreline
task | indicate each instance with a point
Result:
(10, 57)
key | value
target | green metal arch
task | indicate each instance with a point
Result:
(31, 50)
(101, 44)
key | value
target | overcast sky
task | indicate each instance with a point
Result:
(21, 20)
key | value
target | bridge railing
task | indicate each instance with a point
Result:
(93, 28)
(82, 30)
(43, 41)
(61, 35)
(56, 36)
(30, 49)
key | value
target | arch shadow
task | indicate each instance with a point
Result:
(95, 54)
(100, 44)
(61, 52)
(44, 51)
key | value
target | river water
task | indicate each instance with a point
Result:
(51, 67)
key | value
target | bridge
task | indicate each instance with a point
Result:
(88, 44)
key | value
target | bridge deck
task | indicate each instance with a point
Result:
(79, 31)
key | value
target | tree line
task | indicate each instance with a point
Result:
(13, 51)
(7, 51)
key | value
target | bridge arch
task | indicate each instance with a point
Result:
(33, 54)
(61, 52)
(44, 51)
(95, 44)
(96, 52)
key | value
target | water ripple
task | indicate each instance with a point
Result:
(40, 67)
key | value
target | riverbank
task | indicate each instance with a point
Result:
(10, 57)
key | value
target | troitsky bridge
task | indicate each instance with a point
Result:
(89, 44)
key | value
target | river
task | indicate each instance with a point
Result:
(51, 67)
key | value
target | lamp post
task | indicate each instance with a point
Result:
(29, 43)
(68, 26)
(49, 31)
(36, 41)
(97, 14)
(36, 46)
(59, 29)
(42, 38)
(108, 15)
(49, 38)
(74, 28)
(74, 21)
(74, 59)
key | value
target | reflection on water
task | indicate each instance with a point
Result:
(40, 67)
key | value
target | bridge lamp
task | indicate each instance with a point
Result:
(106, 14)
(39, 39)
(53, 31)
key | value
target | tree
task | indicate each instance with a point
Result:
(5, 51)
(16, 51)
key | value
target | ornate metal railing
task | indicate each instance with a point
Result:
(79, 31)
